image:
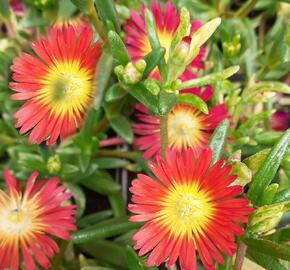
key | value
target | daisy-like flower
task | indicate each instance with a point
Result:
(57, 84)
(189, 208)
(29, 219)
(136, 38)
(187, 126)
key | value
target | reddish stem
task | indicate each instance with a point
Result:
(111, 141)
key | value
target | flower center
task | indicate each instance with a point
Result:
(184, 127)
(15, 221)
(188, 208)
(185, 209)
(67, 89)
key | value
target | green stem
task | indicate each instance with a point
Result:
(163, 134)
(98, 25)
(102, 125)
(118, 154)
(246, 9)
(241, 252)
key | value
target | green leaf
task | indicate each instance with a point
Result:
(118, 49)
(269, 248)
(166, 102)
(84, 5)
(193, 101)
(152, 59)
(111, 163)
(269, 194)
(265, 261)
(103, 230)
(282, 235)
(140, 92)
(116, 91)
(103, 250)
(268, 137)
(268, 169)
(102, 182)
(79, 197)
(103, 74)
(122, 126)
(106, 10)
(94, 218)
(282, 196)
(217, 140)
(133, 259)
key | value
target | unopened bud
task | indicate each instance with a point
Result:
(236, 156)
(152, 85)
(140, 65)
(54, 164)
(233, 47)
(254, 162)
(181, 53)
(119, 71)
(266, 218)
(131, 74)
(244, 174)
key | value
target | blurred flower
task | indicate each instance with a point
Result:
(279, 120)
(27, 220)
(185, 209)
(137, 41)
(79, 24)
(17, 6)
(187, 127)
(58, 84)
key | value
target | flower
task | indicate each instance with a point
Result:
(279, 120)
(190, 207)
(137, 41)
(187, 127)
(27, 220)
(17, 6)
(57, 84)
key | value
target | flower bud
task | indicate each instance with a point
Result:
(254, 162)
(181, 53)
(54, 164)
(266, 218)
(233, 47)
(140, 65)
(152, 85)
(131, 74)
(244, 174)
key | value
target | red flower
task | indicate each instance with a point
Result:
(279, 120)
(27, 220)
(187, 127)
(137, 41)
(191, 207)
(57, 84)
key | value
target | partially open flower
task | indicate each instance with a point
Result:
(57, 84)
(190, 209)
(29, 219)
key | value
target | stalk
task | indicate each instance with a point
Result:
(163, 134)
(98, 25)
(241, 252)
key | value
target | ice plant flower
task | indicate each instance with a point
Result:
(190, 208)
(57, 84)
(29, 219)
(279, 120)
(137, 41)
(187, 126)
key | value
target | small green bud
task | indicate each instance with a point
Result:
(152, 85)
(236, 156)
(266, 218)
(233, 47)
(140, 65)
(244, 174)
(119, 71)
(123, 12)
(54, 164)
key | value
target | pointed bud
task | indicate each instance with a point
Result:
(140, 65)
(266, 218)
(131, 74)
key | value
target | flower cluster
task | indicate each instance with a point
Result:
(192, 130)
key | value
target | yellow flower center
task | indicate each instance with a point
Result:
(67, 88)
(184, 127)
(185, 209)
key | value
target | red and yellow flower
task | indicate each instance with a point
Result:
(187, 127)
(185, 208)
(136, 38)
(29, 219)
(57, 84)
